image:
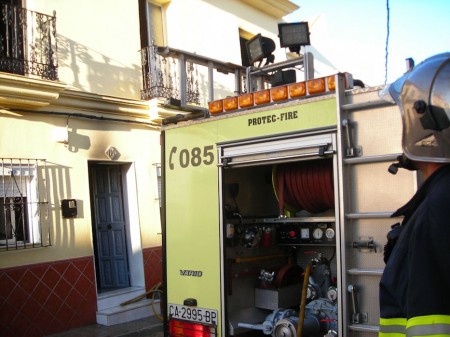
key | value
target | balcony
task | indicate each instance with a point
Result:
(187, 80)
(28, 43)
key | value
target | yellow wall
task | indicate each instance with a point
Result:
(99, 75)
(36, 135)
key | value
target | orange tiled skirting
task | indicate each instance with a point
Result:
(152, 266)
(41, 299)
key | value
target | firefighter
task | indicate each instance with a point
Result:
(415, 286)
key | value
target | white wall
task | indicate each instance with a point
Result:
(98, 44)
(211, 27)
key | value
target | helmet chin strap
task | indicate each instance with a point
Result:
(402, 162)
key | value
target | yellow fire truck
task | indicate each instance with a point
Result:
(276, 209)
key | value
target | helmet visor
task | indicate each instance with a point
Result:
(391, 93)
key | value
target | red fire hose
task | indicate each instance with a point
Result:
(306, 185)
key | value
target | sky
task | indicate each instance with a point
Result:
(350, 35)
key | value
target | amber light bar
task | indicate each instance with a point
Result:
(277, 94)
(230, 103)
(246, 100)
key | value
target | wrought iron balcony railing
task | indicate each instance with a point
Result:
(187, 78)
(28, 43)
(191, 79)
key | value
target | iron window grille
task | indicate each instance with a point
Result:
(24, 212)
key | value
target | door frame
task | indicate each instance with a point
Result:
(131, 218)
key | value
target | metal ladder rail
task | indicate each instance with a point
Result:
(344, 108)
(367, 215)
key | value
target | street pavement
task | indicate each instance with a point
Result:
(151, 326)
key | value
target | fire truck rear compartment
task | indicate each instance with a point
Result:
(270, 243)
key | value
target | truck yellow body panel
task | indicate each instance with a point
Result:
(192, 188)
(220, 188)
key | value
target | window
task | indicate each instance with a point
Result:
(244, 36)
(152, 31)
(155, 24)
(11, 36)
(27, 41)
(22, 204)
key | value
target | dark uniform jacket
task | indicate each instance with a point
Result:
(415, 286)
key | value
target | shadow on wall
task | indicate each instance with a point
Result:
(76, 141)
(58, 186)
(104, 75)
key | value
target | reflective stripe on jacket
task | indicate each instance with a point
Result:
(432, 325)
(392, 327)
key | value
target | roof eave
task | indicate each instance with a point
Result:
(274, 8)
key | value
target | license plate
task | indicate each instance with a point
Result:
(201, 315)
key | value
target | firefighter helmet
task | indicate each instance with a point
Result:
(423, 95)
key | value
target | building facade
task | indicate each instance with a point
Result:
(80, 228)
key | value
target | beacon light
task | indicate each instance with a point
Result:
(262, 97)
(297, 89)
(331, 82)
(279, 93)
(316, 86)
(215, 106)
(246, 100)
(230, 103)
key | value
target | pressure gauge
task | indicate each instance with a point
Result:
(329, 233)
(318, 233)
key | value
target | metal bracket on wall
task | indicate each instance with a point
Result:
(365, 243)
(351, 151)
(357, 316)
